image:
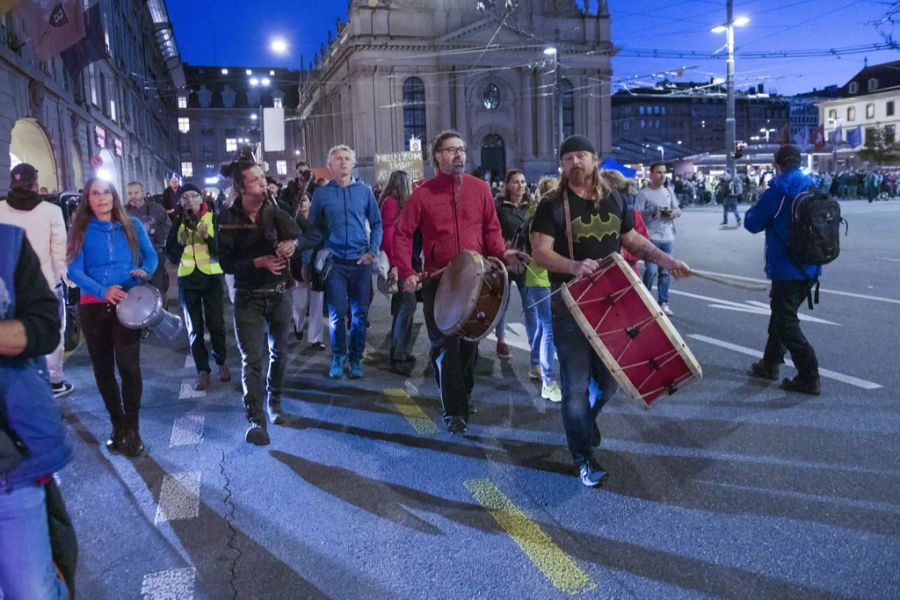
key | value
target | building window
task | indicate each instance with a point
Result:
(643, 123)
(870, 111)
(281, 167)
(890, 134)
(184, 124)
(642, 109)
(182, 101)
(851, 113)
(889, 108)
(832, 114)
(277, 102)
(230, 144)
(187, 169)
(413, 109)
(490, 97)
(568, 107)
(873, 84)
(104, 94)
(853, 87)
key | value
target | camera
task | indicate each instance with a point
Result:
(190, 219)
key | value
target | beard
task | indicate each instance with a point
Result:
(578, 175)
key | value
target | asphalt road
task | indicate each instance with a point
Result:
(729, 488)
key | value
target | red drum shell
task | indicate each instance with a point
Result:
(627, 329)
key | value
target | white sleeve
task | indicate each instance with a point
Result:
(58, 242)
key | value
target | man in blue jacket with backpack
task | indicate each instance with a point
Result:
(347, 216)
(792, 281)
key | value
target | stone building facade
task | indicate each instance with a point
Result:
(403, 68)
(115, 118)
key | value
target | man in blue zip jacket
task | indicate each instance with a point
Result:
(791, 281)
(340, 211)
(29, 329)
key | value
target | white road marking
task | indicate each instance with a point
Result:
(179, 497)
(855, 381)
(174, 584)
(752, 307)
(188, 391)
(187, 431)
(189, 362)
(889, 259)
(823, 290)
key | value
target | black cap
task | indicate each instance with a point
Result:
(576, 143)
(22, 176)
(189, 187)
(788, 157)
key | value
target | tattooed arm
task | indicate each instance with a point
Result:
(644, 249)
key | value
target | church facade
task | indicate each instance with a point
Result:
(411, 68)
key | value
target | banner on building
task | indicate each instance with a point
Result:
(273, 129)
(54, 25)
(801, 138)
(817, 136)
(854, 137)
(411, 162)
(92, 48)
(836, 136)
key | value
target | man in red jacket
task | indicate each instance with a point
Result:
(454, 212)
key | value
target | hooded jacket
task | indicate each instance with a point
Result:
(44, 225)
(340, 214)
(448, 225)
(772, 213)
(105, 258)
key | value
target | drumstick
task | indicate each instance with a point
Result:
(756, 287)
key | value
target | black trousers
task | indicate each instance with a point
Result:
(160, 278)
(786, 297)
(453, 360)
(110, 345)
(202, 299)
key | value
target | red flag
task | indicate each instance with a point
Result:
(54, 25)
(818, 137)
(92, 48)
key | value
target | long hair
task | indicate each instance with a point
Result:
(546, 184)
(509, 175)
(84, 214)
(603, 183)
(398, 186)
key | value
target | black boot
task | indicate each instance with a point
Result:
(132, 445)
(114, 442)
(764, 370)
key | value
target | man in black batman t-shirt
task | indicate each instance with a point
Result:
(600, 223)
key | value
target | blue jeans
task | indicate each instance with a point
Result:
(729, 205)
(500, 330)
(353, 283)
(543, 351)
(259, 319)
(403, 307)
(26, 563)
(585, 383)
(651, 269)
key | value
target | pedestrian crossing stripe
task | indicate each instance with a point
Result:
(563, 572)
(407, 407)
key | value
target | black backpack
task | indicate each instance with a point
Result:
(814, 233)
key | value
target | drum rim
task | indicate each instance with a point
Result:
(504, 302)
(471, 301)
(148, 321)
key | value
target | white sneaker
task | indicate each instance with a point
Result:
(534, 372)
(666, 310)
(551, 392)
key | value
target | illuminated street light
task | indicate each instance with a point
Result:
(728, 28)
(278, 45)
(265, 81)
(249, 72)
(224, 71)
(254, 116)
(552, 51)
(254, 81)
(662, 153)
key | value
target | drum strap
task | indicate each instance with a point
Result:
(567, 216)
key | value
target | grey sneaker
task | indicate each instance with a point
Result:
(62, 388)
(591, 474)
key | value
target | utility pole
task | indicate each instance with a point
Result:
(729, 84)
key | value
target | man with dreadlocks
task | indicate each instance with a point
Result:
(584, 220)
(256, 241)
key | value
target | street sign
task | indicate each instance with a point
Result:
(411, 162)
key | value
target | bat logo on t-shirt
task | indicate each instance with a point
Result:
(597, 228)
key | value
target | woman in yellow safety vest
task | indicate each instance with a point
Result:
(192, 246)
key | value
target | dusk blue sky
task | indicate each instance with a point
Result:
(236, 34)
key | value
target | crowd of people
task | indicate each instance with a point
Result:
(284, 256)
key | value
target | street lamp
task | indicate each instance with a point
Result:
(662, 153)
(766, 132)
(552, 51)
(278, 45)
(728, 29)
(259, 82)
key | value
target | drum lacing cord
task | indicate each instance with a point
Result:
(609, 299)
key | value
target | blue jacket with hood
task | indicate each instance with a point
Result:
(105, 258)
(340, 214)
(772, 213)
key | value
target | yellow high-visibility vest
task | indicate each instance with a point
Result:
(196, 252)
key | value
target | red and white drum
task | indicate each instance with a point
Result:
(632, 336)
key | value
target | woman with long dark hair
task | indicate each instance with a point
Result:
(109, 253)
(403, 304)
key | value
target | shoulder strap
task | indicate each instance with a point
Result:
(567, 214)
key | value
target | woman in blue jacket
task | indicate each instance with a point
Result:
(109, 253)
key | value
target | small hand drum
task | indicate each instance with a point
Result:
(143, 309)
(472, 295)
